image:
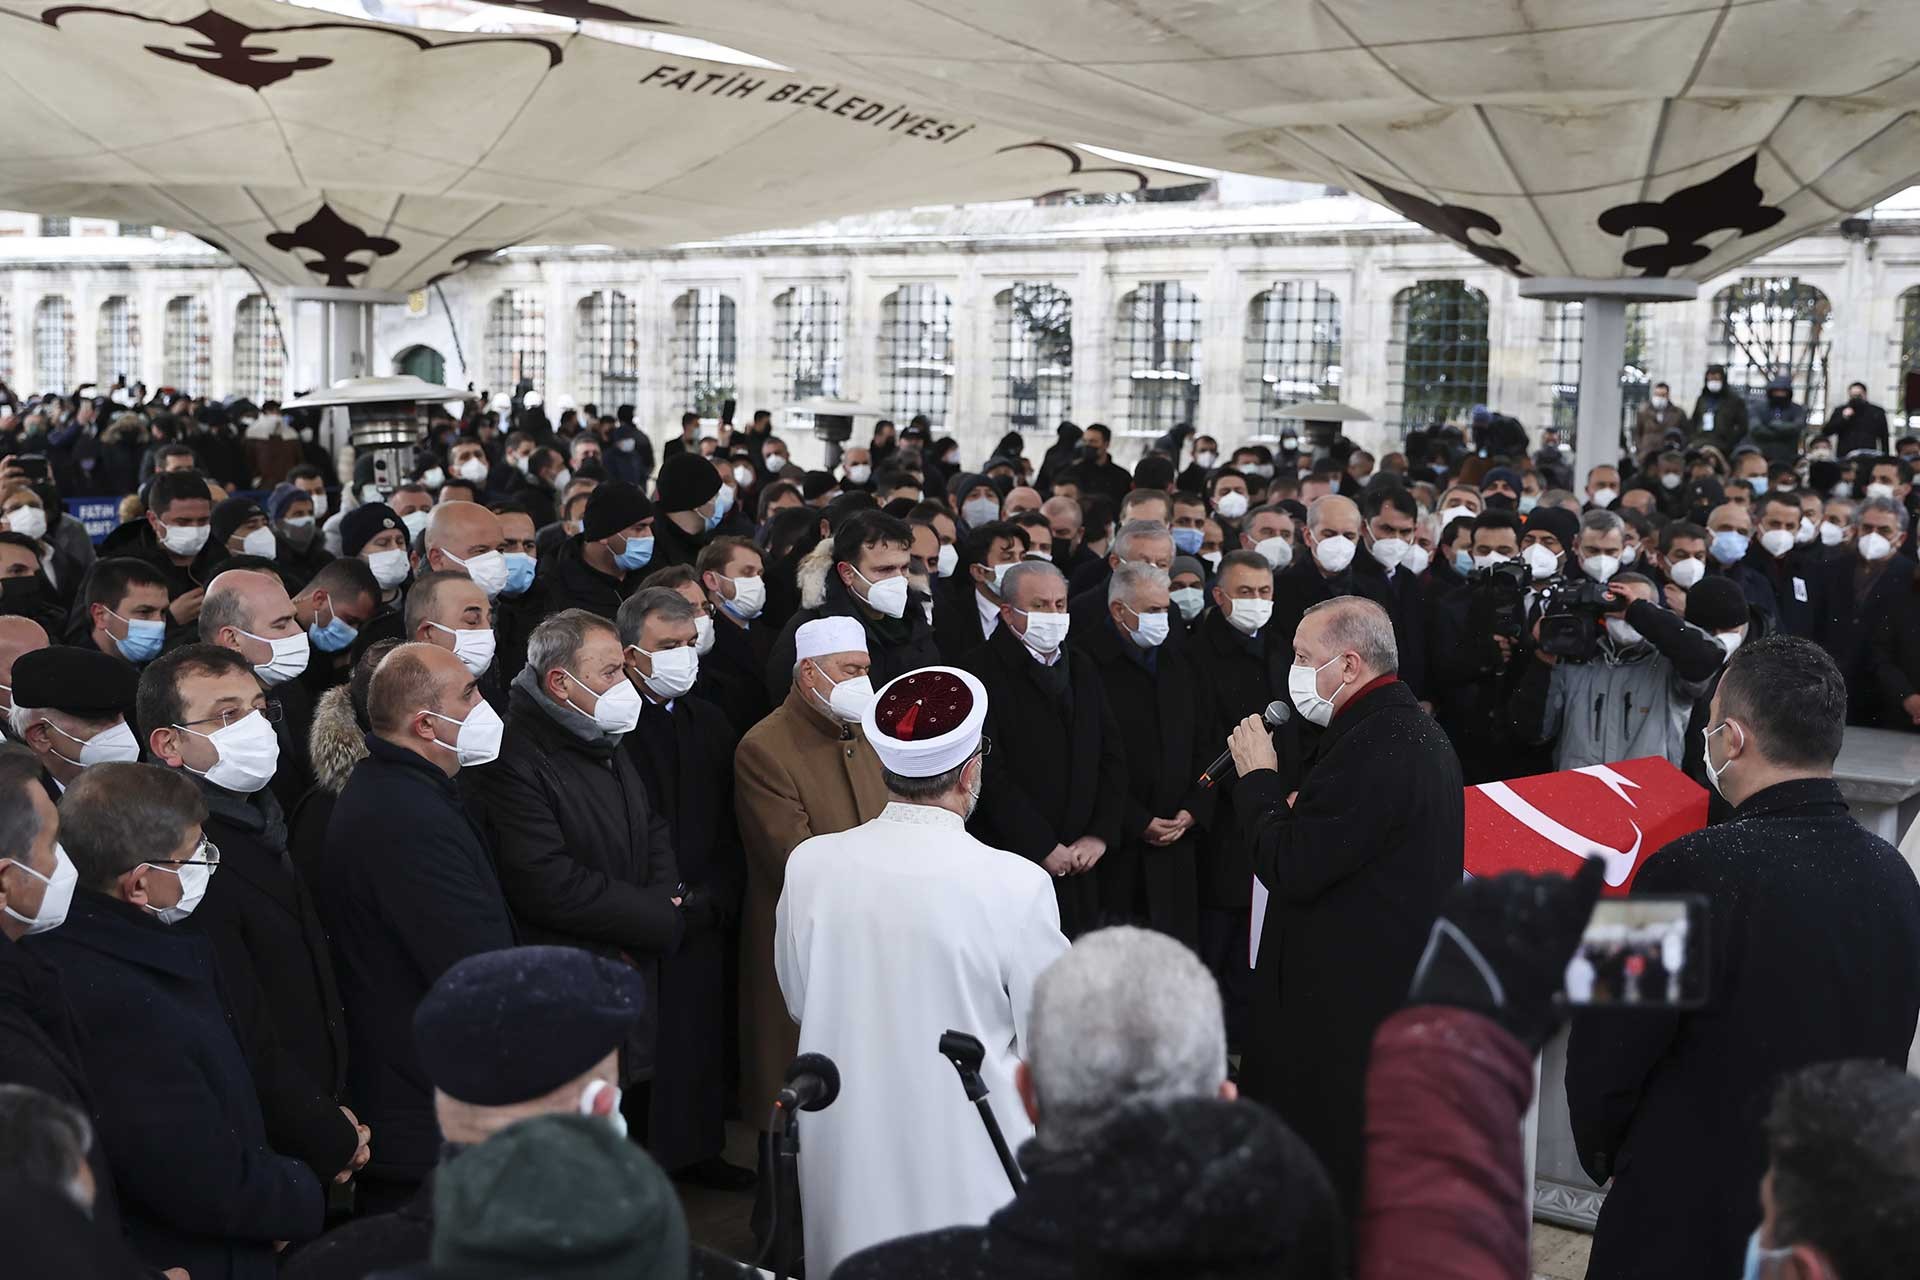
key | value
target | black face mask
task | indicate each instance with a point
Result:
(1500, 502)
(18, 595)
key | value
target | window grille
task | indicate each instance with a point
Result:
(1033, 357)
(1157, 358)
(117, 343)
(1907, 360)
(706, 356)
(56, 226)
(515, 342)
(139, 230)
(53, 345)
(1437, 359)
(259, 362)
(6, 340)
(606, 350)
(809, 341)
(916, 352)
(1766, 326)
(1560, 345)
(1293, 352)
(188, 347)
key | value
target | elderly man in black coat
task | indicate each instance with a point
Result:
(1813, 954)
(1356, 863)
(200, 1183)
(585, 859)
(683, 752)
(1153, 692)
(406, 889)
(1056, 780)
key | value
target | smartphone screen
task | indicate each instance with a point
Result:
(1642, 953)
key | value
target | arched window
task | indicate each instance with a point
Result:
(259, 361)
(1032, 357)
(1560, 343)
(53, 345)
(706, 357)
(117, 342)
(515, 342)
(6, 340)
(1437, 360)
(1768, 326)
(809, 341)
(916, 352)
(188, 347)
(606, 350)
(1156, 358)
(1293, 351)
(1907, 359)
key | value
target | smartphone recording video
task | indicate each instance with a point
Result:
(1644, 953)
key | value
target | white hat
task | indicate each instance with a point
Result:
(926, 722)
(835, 633)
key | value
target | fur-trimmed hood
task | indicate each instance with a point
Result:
(336, 740)
(811, 574)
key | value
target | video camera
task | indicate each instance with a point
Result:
(1571, 611)
(1497, 600)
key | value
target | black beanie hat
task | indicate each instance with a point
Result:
(1557, 521)
(686, 481)
(1717, 604)
(359, 525)
(614, 506)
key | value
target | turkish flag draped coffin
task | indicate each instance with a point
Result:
(1548, 823)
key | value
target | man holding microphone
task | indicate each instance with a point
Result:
(1356, 862)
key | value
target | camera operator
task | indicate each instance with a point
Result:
(1479, 632)
(1614, 675)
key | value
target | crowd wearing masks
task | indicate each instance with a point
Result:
(417, 876)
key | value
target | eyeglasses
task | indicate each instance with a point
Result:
(206, 855)
(227, 719)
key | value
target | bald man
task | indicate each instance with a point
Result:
(1325, 571)
(249, 612)
(465, 537)
(17, 636)
(1020, 498)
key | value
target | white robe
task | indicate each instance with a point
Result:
(888, 936)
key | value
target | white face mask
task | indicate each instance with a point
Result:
(259, 543)
(1878, 490)
(193, 879)
(389, 567)
(416, 523)
(1303, 686)
(247, 751)
(477, 740)
(288, 660)
(749, 597)
(675, 671)
(473, 470)
(115, 743)
(1623, 635)
(319, 503)
(1670, 480)
(1390, 552)
(1248, 616)
(776, 461)
(1489, 560)
(1730, 640)
(1277, 551)
(183, 541)
(1874, 546)
(979, 511)
(1706, 757)
(743, 475)
(1152, 631)
(1686, 574)
(618, 709)
(1629, 554)
(1212, 559)
(703, 634)
(948, 561)
(1190, 600)
(1232, 504)
(1205, 459)
(890, 597)
(1449, 514)
(1045, 631)
(1832, 535)
(1807, 531)
(433, 477)
(848, 699)
(591, 1094)
(472, 645)
(562, 478)
(1334, 552)
(1776, 542)
(58, 897)
(488, 570)
(1541, 561)
(1605, 497)
(858, 472)
(1658, 402)
(1715, 385)
(1601, 568)
(28, 522)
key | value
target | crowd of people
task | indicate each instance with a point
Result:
(368, 848)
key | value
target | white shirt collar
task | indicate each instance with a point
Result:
(989, 614)
(922, 815)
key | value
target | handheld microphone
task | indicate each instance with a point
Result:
(813, 1082)
(1276, 714)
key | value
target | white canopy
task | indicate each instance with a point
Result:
(1553, 137)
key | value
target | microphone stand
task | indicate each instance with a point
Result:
(967, 1053)
(779, 1253)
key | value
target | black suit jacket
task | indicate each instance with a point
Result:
(1301, 585)
(1814, 955)
(1845, 627)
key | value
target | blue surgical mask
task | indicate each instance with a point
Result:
(520, 567)
(1758, 1255)
(335, 636)
(1528, 501)
(1730, 545)
(144, 638)
(635, 555)
(1187, 542)
(722, 503)
(1759, 484)
(1463, 561)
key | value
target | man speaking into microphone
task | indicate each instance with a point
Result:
(1356, 864)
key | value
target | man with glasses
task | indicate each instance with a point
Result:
(968, 929)
(178, 1108)
(207, 718)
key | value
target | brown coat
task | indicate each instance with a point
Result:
(796, 775)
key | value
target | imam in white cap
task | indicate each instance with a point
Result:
(926, 722)
(835, 633)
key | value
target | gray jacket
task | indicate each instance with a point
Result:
(1626, 703)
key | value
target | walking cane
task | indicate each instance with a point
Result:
(966, 1053)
